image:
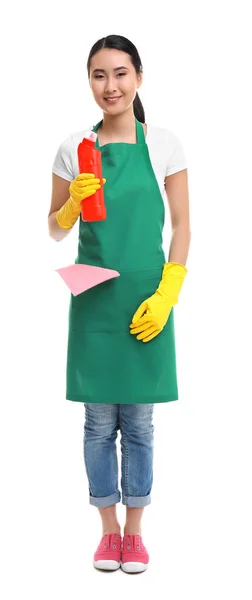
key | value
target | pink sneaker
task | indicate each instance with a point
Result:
(135, 557)
(108, 553)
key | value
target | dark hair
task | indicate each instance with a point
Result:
(122, 43)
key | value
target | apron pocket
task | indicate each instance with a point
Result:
(110, 306)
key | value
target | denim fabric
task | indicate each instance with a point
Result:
(102, 421)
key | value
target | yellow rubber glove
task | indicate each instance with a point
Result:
(152, 315)
(83, 186)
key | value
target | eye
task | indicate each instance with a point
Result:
(100, 76)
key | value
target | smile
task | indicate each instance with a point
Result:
(113, 100)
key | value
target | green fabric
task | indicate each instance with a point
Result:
(105, 363)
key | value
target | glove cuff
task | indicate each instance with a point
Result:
(173, 276)
(68, 214)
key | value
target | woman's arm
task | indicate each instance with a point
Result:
(60, 194)
(176, 187)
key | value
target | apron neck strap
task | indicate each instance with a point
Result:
(139, 132)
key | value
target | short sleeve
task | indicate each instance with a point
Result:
(63, 164)
(176, 159)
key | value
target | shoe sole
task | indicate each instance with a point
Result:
(106, 565)
(133, 567)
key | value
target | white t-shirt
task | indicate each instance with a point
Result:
(165, 150)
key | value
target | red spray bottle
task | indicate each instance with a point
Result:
(89, 157)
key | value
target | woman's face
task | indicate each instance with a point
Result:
(113, 80)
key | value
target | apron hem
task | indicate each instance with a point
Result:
(144, 400)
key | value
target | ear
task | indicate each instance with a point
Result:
(139, 79)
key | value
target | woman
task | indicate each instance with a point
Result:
(121, 347)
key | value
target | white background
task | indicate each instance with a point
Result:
(198, 527)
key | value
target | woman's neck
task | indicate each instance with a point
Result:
(118, 128)
(121, 124)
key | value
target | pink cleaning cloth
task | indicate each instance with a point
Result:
(80, 278)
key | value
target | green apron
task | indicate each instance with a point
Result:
(105, 363)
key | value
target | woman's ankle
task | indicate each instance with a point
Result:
(132, 531)
(109, 520)
(111, 529)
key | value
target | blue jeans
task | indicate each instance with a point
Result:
(100, 432)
